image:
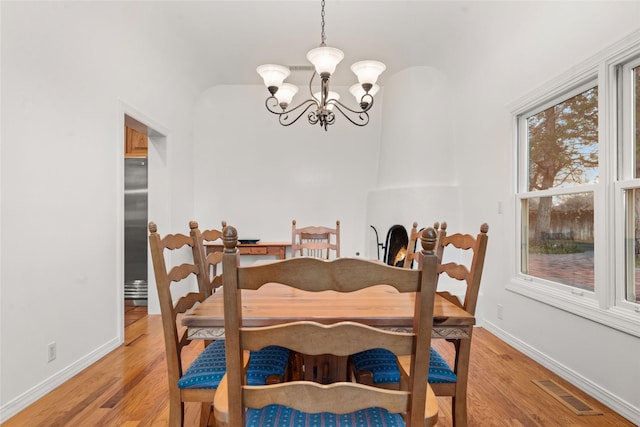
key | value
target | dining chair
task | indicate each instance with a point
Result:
(344, 403)
(380, 367)
(198, 383)
(315, 241)
(209, 278)
(414, 237)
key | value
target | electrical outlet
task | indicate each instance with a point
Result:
(499, 314)
(51, 352)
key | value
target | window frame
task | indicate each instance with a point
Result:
(625, 176)
(607, 304)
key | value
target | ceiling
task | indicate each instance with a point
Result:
(234, 37)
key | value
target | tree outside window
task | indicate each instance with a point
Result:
(558, 219)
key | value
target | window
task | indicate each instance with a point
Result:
(628, 185)
(561, 145)
(578, 190)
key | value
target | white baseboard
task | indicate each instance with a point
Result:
(592, 389)
(16, 405)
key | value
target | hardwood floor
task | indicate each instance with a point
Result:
(133, 313)
(128, 388)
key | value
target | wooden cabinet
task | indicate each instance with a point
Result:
(135, 143)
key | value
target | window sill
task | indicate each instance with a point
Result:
(623, 320)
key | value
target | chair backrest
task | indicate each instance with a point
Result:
(174, 334)
(315, 241)
(414, 237)
(471, 273)
(339, 338)
(210, 278)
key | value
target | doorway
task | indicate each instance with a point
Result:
(136, 202)
(154, 141)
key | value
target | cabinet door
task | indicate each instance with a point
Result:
(136, 143)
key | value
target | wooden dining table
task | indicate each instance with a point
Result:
(380, 306)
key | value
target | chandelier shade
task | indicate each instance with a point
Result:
(325, 59)
(285, 93)
(331, 96)
(273, 75)
(319, 108)
(368, 71)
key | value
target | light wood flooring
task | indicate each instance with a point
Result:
(133, 313)
(128, 388)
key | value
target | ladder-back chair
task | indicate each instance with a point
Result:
(344, 402)
(315, 241)
(209, 278)
(197, 383)
(379, 366)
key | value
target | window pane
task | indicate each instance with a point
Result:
(636, 115)
(563, 143)
(558, 239)
(632, 293)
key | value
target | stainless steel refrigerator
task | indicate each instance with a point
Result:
(135, 231)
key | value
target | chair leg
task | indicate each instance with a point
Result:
(295, 367)
(176, 413)
(459, 412)
(459, 401)
(205, 413)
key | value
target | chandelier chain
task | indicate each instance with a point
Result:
(322, 24)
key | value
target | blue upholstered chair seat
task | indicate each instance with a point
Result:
(382, 364)
(210, 366)
(277, 415)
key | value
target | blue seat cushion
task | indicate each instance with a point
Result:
(209, 367)
(439, 369)
(382, 364)
(268, 361)
(277, 415)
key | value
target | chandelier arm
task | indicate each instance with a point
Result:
(279, 111)
(283, 117)
(362, 115)
(313, 118)
(364, 110)
(313, 75)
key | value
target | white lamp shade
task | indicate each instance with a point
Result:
(358, 92)
(286, 92)
(272, 74)
(368, 71)
(325, 58)
(330, 95)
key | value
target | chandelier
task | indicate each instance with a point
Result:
(321, 105)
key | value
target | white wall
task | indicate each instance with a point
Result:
(258, 175)
(69, 72)
(526, 45)
(416, 173)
